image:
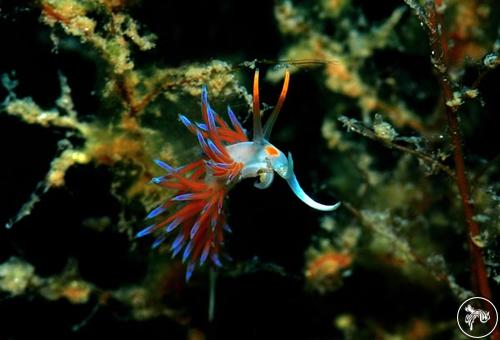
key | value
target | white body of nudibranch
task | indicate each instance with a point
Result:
(262, 159)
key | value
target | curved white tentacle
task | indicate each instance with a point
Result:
(300, 193)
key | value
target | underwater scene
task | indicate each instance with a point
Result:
(316, 169)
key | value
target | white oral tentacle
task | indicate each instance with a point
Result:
(300, 193)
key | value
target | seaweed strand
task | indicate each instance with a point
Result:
(439, 50)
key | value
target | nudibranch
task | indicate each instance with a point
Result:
(193, 219)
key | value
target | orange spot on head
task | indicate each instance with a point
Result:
(272, 151)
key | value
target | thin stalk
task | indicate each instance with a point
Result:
(211, 295)
(431, 16)
(439, 46)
